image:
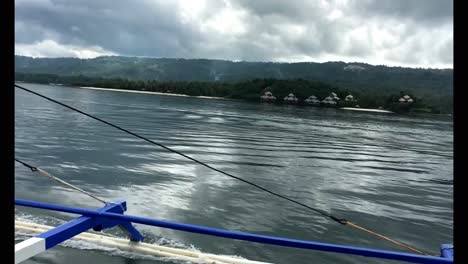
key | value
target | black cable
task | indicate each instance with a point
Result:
(69, 185)
(27, 165)
(341, 221)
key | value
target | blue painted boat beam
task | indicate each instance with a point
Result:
(446, 251)
(125, 226)
(81, 224)
(383, 254)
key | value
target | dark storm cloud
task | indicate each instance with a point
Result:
(379, 32)
(144, 28)
(419, 10)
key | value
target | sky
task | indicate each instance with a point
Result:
(407, 33)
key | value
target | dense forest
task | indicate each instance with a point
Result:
(249, 90)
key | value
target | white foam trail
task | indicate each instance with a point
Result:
(123, 247)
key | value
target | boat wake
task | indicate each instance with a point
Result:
(159, 248)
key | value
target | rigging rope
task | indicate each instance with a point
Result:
(323, 213)
(35, 169)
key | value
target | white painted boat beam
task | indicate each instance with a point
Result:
(29, 248)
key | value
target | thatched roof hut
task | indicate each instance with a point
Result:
(406, 99)
(290, 98)
(329, 101)
(312, 100)
(349, 98)
(267, 97)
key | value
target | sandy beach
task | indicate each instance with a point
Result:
(367, 110)
(147, 92)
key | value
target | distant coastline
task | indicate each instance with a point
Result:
(237, 90)
(373, 86)
(369, 110)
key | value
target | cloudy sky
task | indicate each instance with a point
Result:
(414, 33)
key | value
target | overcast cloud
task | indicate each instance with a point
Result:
(415, 33)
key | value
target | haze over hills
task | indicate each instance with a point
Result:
(346, 75)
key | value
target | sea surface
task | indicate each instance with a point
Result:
(390, 173)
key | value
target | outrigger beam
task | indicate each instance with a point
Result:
(279, 241)
(55, 236)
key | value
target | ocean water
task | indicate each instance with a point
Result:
(390, 173)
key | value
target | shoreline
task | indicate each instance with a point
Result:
(149, 92)
(367, 110)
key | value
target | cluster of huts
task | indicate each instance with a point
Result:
(331, 100)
